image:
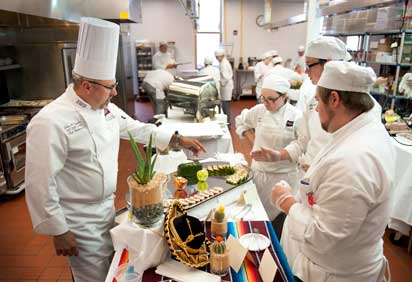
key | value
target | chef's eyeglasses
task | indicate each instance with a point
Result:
(270, 99)
(320, 62)
(111, 87)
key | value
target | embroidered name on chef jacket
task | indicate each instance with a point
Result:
(289, 123)
(81, 103)
(73, 127)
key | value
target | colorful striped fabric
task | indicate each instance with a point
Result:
(248, 272)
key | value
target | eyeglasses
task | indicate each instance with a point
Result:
(111, 87)
(321, 62)
(270, 99)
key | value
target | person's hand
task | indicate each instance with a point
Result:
(266, 155)
(305, 167)
(65, 244)
(192, 144)
(282, 196)
(171, 66)
(381, 80)
(249, 135)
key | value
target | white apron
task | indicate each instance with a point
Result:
(274, 136)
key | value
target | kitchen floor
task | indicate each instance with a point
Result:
(26, 256)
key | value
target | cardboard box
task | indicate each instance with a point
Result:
(384, 47)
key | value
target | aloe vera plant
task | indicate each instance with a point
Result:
(144, 170)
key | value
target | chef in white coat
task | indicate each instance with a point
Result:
(299, 63)
(312, 137)
(162, 59)
(260, 71)
(274, 54)
(334, 227)
(211, 71)
(272, 124)
(226, 82)
(405, 86)
(72, 151)
(155, 83)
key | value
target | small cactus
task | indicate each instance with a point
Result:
(219, 246)
(220, 213)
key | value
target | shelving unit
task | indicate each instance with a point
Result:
(381, 56)
(144, 56)
(10, 67)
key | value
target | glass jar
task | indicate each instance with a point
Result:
(218, 228)
(146, 201)
(219, 263)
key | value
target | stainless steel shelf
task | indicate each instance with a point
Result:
(290, 21)
(352, 5)
(10, 67)
(372, 33)
(388, 64)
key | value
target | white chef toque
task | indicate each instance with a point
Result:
(273, 53)
(219, 52)
(347, 76)
(208, 61)
(266, 55)
(97, 46)
(277, 60)
(326, 48)
(301, 48)
(276, 83)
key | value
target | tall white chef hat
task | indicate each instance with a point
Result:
(219, 52)
(273, 53)
(286, 73)
(97, 46)
(327, 48)
(266, 55)
(208, 61)
(162, 43)
(347, 76)
(276, 83)
(277, 60)
(301, 48)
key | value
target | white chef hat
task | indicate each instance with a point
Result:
(162, 43)
(266, 55)
(97, 46)
(347, 76)
(273, 53)
(277, 60)
(301, 48)
(276, 83)
(219, 52)
(327, 48)
(208, 61)
(286, 73)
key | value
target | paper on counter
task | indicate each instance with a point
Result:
(206, 130)
(237, 253)
(183, 273)
(267, 267)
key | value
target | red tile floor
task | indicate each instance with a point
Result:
(26, 256)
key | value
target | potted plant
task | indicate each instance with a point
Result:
(146, 187)
(219, 222)
(219, 257)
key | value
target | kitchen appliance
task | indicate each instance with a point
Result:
(195, 97)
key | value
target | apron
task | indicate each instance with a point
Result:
(266, 174)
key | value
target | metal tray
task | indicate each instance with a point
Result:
(213, 181)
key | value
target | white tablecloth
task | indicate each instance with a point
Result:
(401, 214)
(206, 132)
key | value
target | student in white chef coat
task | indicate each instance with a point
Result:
(272, 124)
(226, 82)
(260, 71)
(313, 138)
(299, 63)
(72, 152)
(155, 83)
(334, 227)
(162, 59)
(211, 71)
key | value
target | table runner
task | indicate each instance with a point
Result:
(248, 272)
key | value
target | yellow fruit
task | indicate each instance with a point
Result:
(202, 186)
(202, 175)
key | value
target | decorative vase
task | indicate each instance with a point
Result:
(219, 263)
(146, 201)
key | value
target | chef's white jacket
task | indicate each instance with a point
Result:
(226, 80)
(214, 73)
(71, 174)
(260, 71)
(351, 180)
(403, 87)
(161, 60)
(160, 80)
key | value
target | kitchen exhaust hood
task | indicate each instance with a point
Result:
(121, 11)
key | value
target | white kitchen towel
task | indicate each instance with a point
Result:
(183, 273)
